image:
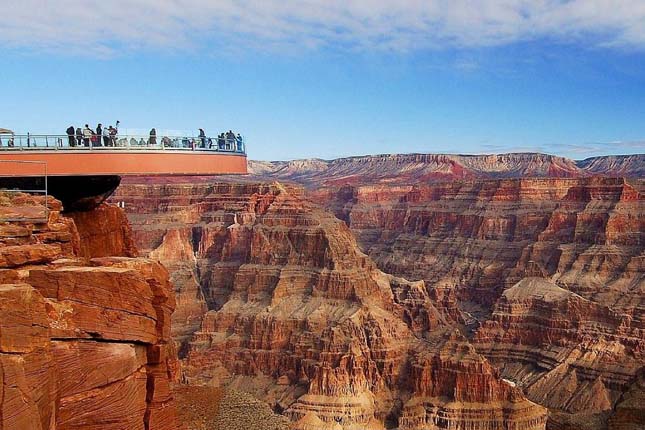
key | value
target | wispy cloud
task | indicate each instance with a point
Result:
(104, 27)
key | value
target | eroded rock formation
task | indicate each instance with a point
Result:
(84, 343)
(275, 297)
(569, 353)
(478, 248)
(576, 348)
(481, 237)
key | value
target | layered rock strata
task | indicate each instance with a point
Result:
(84, 343)
(104, 232)
(408, 169)
(480, 238)
(289, 308)
(629, 413)
(568, 353)
(476, 240)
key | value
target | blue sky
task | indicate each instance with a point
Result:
(329, 79)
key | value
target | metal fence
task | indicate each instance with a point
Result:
(122, 142)
(27, 213)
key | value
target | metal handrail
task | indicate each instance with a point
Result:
(121, 142)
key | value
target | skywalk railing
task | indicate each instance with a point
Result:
(30, 142)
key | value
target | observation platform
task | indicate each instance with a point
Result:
(84, 172)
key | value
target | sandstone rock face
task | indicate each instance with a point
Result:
(580, 360)
(483, 236)
(573, 350)
(104, 232)
(84, 344)
(629, 413)
(275, 297)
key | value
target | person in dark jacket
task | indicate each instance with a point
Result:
(240, 143)
(98, 135)
(153, 138)
(79, 136)
(202, 137)
(230, 140)
(70, 136)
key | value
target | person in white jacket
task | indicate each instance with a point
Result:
(87, 135)
(106, 136)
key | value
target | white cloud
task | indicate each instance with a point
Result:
(102, 27)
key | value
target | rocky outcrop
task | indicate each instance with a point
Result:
(84, 343)
(568, 353)
(104, 232)
(629, 413)
(291, 310)
(477, 239)
(467, 243)
(482, 237)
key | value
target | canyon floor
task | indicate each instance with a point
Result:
(211, 408)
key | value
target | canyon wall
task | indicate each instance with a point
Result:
(275, 297)
(480, 237)
(573, 341)
(84, 341)
(543, 277)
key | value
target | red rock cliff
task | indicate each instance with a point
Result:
(482, 237)
(84, 343)
(572, 346)
(276, 297)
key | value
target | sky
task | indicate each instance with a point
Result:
(332, 78)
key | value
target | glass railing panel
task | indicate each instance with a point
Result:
(121, 142)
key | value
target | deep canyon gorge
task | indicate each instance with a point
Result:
(413, 292)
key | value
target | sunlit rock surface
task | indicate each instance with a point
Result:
(575, 344)
(275, 297)
(84, 343)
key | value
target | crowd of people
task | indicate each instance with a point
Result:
(228, 140)
(108, 136)
(102, 136)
